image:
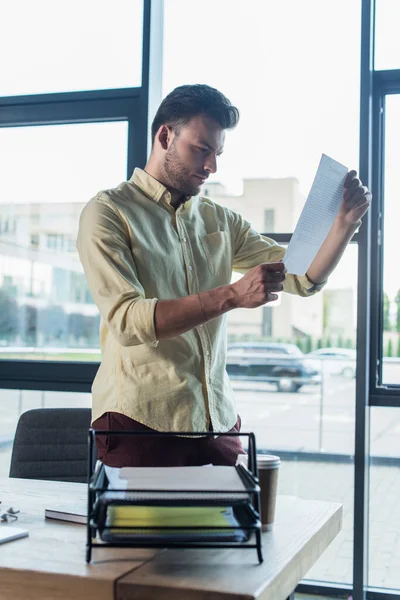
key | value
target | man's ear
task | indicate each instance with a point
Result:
(164, 136)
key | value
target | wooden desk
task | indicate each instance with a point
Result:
(50, 563)
(302, 531)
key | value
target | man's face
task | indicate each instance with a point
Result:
(192, 154)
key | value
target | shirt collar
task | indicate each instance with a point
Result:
(155, 190)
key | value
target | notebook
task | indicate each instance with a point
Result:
(63, 514)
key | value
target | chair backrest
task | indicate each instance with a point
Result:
(52, 443)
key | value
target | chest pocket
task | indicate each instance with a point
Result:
(217, 248)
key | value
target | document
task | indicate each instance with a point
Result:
(317, 217)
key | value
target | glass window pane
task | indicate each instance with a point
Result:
(48, 175)
(298, 396)
(14, 402)
(296, 86)
(70, 46)
(384, 517)
(297, 89)
(391, 277)
(387, 41)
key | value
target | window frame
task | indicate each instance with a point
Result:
(385, 83)
(134, 105)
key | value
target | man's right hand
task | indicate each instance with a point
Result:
(259, 285)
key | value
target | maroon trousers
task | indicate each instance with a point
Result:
(169, 451)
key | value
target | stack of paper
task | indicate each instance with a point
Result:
(222, 483)
(145, 499)
(153, 517)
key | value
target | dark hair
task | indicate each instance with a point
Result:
(188, 101)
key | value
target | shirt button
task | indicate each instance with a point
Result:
(208, 353)
(184, 240)
(190, 268)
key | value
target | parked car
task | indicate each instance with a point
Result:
(285, 365)
(337, 361)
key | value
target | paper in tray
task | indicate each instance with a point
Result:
(215, 479)
(223, 483)
(160, 498)
(179, 518)
(216, 485)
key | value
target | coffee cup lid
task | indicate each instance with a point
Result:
(268, 460)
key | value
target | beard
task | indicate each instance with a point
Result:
(177, 176)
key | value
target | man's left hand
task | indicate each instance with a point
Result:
(356, 200)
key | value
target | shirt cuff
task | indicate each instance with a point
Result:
(144, 318)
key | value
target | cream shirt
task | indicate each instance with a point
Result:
(135, 249)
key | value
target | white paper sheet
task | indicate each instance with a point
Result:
(317, 216)
(164, 479)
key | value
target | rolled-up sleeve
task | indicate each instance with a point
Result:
(105, 252)
(252, 249)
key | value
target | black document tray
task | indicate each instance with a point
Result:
(240, 496)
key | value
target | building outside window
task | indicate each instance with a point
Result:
(35, 240)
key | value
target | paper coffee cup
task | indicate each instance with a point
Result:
(268, 469)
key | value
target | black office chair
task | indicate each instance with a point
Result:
(52, 444)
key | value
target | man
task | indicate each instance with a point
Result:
(158, 259)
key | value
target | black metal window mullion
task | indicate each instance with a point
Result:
(52, 376)
(376, 318)
(370, 286)
(362, 412)
(385, 83)
(71, 107)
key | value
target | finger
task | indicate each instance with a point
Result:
(272, 297)
(362, 203)
(360, 194)
(353, 187)
(349, 178)
(281, 261)
(269, 278)
(274, 287)
(278, 287)
(275, 275)
(358, 212)
(274, 266)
